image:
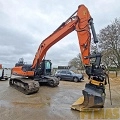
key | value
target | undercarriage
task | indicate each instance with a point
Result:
(31, 86)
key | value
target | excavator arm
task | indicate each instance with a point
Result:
(82, 23)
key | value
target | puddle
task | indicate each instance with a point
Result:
(32, 105)
(4, 103)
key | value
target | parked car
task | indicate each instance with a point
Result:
(68, 75)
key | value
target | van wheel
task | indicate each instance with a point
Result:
(75, 79)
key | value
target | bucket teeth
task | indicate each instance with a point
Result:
(93, 99)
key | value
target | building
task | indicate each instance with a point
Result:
(0, 66)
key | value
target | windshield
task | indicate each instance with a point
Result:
(47, 65)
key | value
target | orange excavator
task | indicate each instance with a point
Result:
(40, 70)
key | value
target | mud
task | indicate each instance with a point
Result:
(49, 103)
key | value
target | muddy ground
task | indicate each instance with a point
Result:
(49, 103)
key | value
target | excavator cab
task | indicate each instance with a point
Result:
(43, 75)
(43, 69)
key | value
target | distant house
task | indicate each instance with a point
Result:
(73, 68)
(63, 67)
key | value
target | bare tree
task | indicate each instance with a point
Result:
(106, 58)
(76, 62)
(109, 39)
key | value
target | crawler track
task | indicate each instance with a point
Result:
(52, 81)
(29, 86)
(25, 86)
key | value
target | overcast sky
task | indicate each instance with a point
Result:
(24, 24)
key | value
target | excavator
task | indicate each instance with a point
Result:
(94, 92)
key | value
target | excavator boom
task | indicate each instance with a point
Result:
(79, 21)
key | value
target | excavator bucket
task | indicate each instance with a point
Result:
(93, 99)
